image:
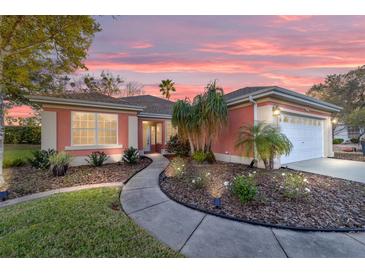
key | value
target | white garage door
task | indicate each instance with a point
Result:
(306, 135)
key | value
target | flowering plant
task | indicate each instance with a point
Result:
(294, 185)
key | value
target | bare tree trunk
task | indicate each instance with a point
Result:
(2, 112)
(2, 124)
(266, 163)
(192, 150)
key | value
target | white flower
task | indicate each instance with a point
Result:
(282, 174)
(254, 172)
(226, 183)
(249, 175)
(178, 168)
(305, 180)
(307, 189)
(193, 181)
(207, 174)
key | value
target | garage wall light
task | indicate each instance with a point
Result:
(334, 121)
(276, 110)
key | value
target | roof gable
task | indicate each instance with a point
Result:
(151, 104)
(244, 94)
(244, 91)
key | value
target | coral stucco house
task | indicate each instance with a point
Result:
(304, 120)
(86, 122)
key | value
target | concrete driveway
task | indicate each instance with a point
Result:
(344, 169)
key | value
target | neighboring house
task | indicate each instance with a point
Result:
(82, 123)
(346, 132)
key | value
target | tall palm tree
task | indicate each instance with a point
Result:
(166, 87)
(201, 121)
(265, 141)
(214, 112)
(182, 118)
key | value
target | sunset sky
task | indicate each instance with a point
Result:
(294, 52)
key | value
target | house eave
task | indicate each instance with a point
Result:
(281, 93)
(85, 103)
(154, 115)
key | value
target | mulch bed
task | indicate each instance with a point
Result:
(331, 203)
(25, 180)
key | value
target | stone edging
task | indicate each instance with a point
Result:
(303, 229)
(45, 194)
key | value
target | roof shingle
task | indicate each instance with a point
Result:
(244, 91)
(151, 103)
(90, 96)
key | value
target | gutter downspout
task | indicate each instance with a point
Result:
(250, 98)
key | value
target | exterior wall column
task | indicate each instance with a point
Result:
(327, 138)
(49, 130)
(133, 131)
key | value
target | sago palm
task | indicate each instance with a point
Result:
(166, 87)
(265, 141)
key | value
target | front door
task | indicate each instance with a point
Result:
(146, 137)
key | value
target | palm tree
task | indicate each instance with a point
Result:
(166, 87)
(201, 121)
(214, 112)
(182, 118)
(266, 141)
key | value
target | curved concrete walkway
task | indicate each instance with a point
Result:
(196, 234)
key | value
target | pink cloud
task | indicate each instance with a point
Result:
(290, 18)
(141, 45)
(221, 66)
(287, 47)
(184, 90)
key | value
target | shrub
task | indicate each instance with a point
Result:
(97, 158)
(354, 140)
(294, 185)
(178, 166)
(202, 156)
(131, 156)
(244, 188)
(59, 163)
(210, 158)
(22, 135)
(201, 180)
(199, 156)
(178, 146)
(14, 163)
(337, 141)
(40, 159)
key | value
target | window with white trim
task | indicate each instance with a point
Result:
(90, 128)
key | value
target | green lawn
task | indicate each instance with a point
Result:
(14, 152)
(86, 223)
